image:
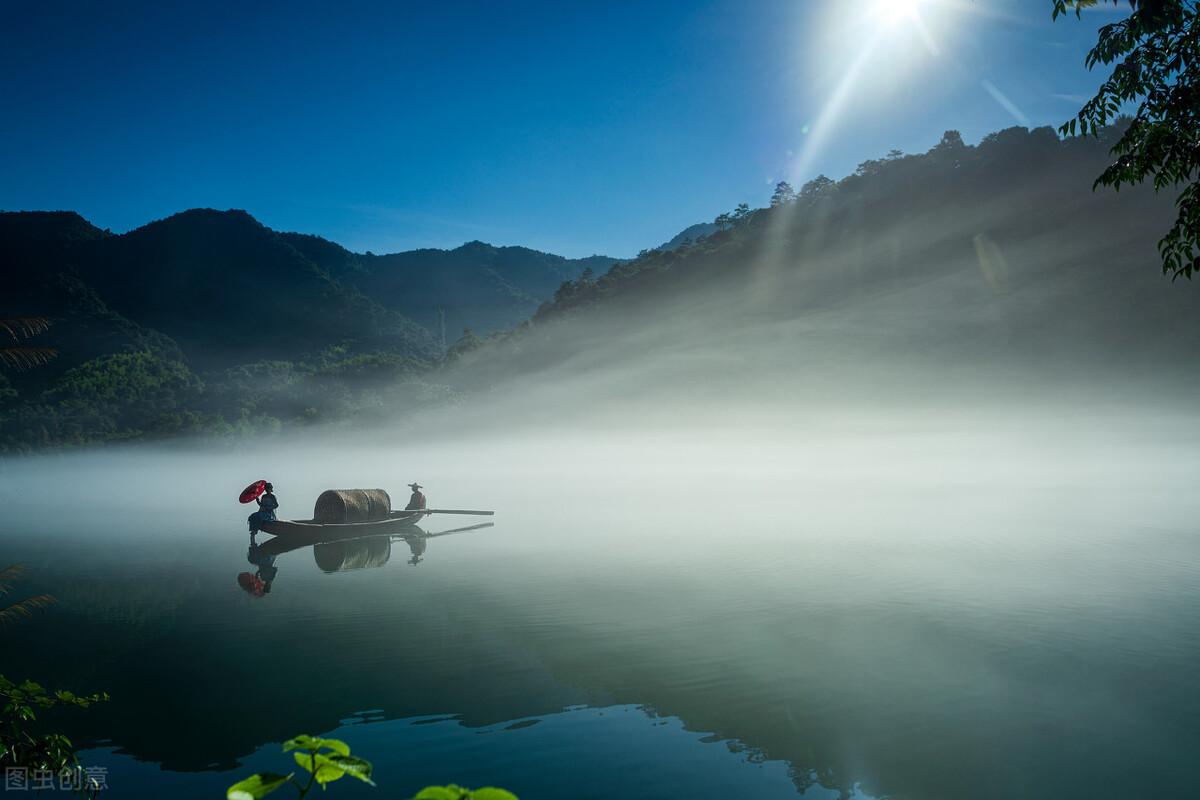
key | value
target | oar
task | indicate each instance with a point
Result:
(458, 511)
(423, 535)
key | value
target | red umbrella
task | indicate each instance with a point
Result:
(251, 492)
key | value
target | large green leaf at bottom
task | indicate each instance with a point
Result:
(331, 767)
(453, 792)
(256, 786)
(440, 793)
(353, 766)
(326, 772)
(492, 793)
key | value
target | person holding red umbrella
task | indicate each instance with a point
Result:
(267, 503)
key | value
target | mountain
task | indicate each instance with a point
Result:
(478, 285)
(210, 321)
(692, 233)
(990, 260)
(40, 251)
(231, 290)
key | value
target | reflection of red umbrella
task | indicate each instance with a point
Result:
(251, 492)
(251, 583)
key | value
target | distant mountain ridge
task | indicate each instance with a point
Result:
(229, 289)
(223, 284)
(477, 285)
(209, 318)
(973, 256)
(692, 233)
(997, 253)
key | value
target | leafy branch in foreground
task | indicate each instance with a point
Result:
(20, 749)
(1156, 50)
(327, 760)
(13, 613)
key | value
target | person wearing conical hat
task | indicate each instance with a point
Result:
(417, 501)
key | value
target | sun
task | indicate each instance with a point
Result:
(890, 13)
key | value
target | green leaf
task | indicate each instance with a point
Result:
(303, 741)
(327, 771)
(306, 742)
(256, 786)
(492, 793)
(354, 766)
(439, 793)
(337, 746)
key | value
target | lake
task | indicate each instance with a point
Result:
(990, 607)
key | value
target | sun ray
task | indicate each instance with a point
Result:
(822, 127)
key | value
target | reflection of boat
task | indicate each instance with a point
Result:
(348, 554)
(335, 553)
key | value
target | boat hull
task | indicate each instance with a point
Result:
(318, 531)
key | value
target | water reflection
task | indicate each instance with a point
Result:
(258, 583)
(343, 556)
(1018, 643)
(336, 554)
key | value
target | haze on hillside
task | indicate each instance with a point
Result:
(967, 277)
(985, 273)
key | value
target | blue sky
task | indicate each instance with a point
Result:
(575, 128)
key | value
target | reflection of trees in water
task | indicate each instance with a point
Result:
(179, 652)
(804, 772)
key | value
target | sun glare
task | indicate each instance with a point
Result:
(893, 12)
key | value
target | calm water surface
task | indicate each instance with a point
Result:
(881, 618)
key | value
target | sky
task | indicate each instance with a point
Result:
(576, 128)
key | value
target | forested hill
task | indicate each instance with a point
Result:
(983, 256)
(477, 285)
(690, 235)
(962, 258)
(209, 319)
(230, 290)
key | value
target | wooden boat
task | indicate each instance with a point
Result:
(411, 535)
(396, 522)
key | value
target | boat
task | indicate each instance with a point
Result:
(395, 523)
(303, 529)
(412, 535)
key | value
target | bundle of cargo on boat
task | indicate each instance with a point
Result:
(352, 505)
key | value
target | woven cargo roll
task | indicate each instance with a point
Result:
(354, 554)
(352, 505)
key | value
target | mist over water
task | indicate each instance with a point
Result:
(993, 602)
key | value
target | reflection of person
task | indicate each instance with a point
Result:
(417, 501)
(416, 544)
(267, 504)
(258, 583)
